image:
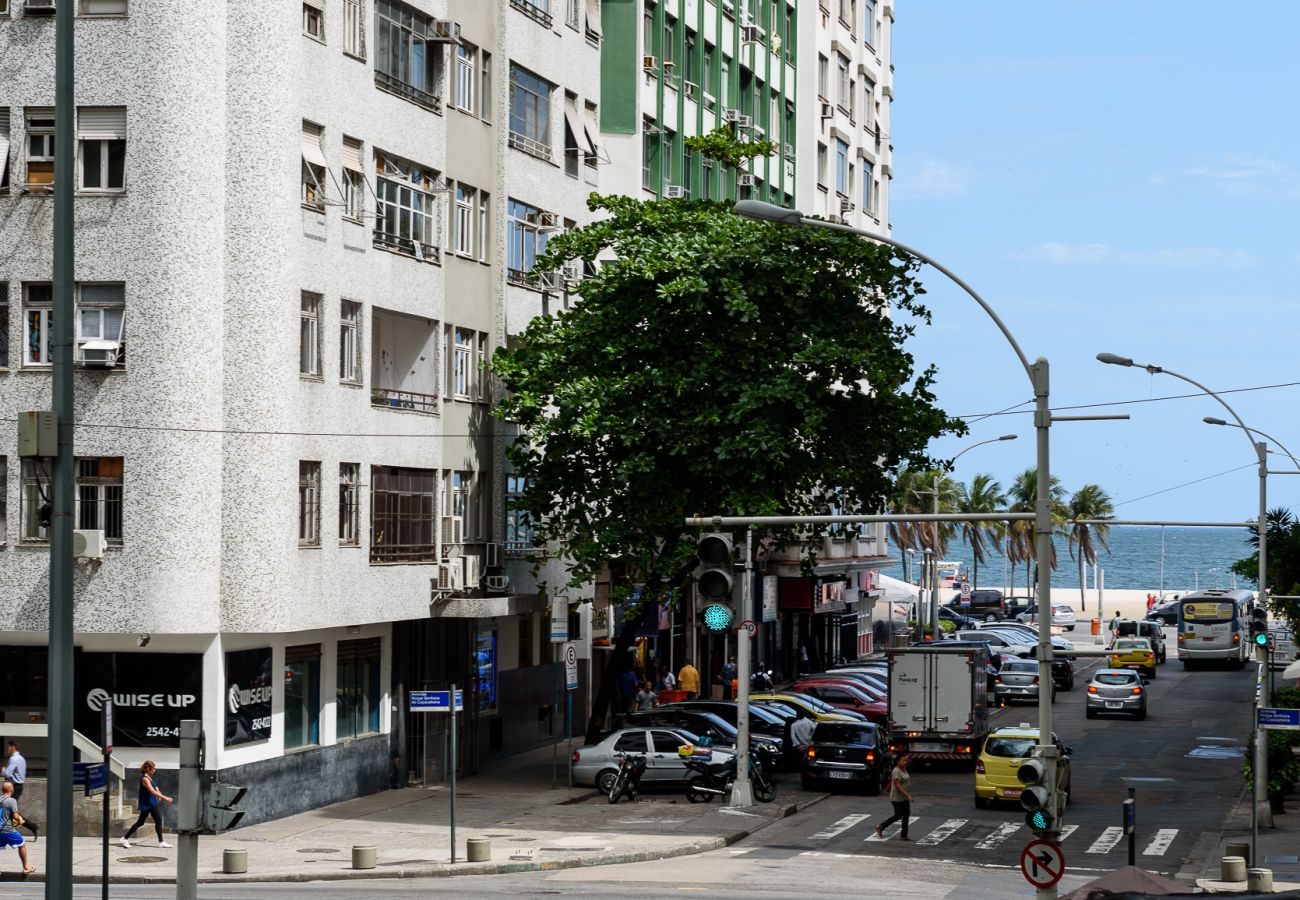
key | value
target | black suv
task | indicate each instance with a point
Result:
(985, 604)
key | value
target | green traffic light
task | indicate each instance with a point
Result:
(1038, 820)
(1261, 639)
(717, 617)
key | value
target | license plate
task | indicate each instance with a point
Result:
(1209, 638)
(840, 774)
(1114, 704)
(1011, 792)
(928, 747)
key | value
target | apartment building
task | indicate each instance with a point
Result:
(311, 226)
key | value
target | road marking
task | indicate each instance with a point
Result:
(840, 827)
(891, 831)
(739, 852)
(1066, 831)
(1109, 838)
(1160, 843)
(943, 832)
(1000, 834)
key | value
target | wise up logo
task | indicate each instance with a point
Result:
(97, 697)
(237, 696)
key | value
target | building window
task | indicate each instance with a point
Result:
(308, 504)
(868, 187)
(823, 77)
(101, 313)
(354, 28)
(354, 185)
(846, 12)
(101, 149)
(460, 498)
(649, 156)
(97, 7)
(406, 63)
(519, 527)
(572, 13)
(485, 84)
(821, 165)
(313, 167)
(357, 695)
(526, 240)
(40, 149)
(843, 97)
(466, 77)
(98, 498)
(842, 168)
(402, 508)
(462, 362)
(463, 223)
(4, 333)
(38, 305)
(349, 504)
(670, 41)
(869, 22)
(350, 342)
(530, 112)
(4, 145)
(301, 696)
(484, 219)
(309, 335)
(313, 19)
(405, 210)
(4, 499)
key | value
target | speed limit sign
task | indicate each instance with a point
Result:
(965, 590)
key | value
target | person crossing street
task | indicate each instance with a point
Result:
(900, 797)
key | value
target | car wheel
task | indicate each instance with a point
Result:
(981, 802)
(806, 783)
(991, 617)
(1152, 670)
(1069, 628)
(1090, 713)
(605, 781)
(1140, 714)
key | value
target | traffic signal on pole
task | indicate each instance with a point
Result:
(1259, 625)
(714, 581)
(221, 814)
(1036, 797)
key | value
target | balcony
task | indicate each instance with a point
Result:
(533, 11)
(530, 146)
(408, 400)
(837, 553)
(398, 87)
(404, 362)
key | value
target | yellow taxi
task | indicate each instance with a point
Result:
(1004, 751)
(1133, 653)
(808, 707)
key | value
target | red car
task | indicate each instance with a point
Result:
(844, 693)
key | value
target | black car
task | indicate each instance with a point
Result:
(985, 604)
(1165, 613)
(761, 720)
(846, 754)
(959, 620)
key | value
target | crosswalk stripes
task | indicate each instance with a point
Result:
(892, 831)
(1000, 834)
(942, 833)
(1160, 843)
(840, 827)
(1109, 838)
(1066, 831)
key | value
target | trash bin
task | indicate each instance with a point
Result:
(1096, 626)
(672, 696)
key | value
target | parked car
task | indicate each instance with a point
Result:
(1016, 643)
(1116, 691)
(1146, 629)
(597, 764)
(958, 620)
(1018, 680)
(701, 722)
(848, 754)
(1018, 604)
(1028, 632)
(875, 682)
(1062, 615)
(842, 693)
(1004, 751)
(806, 706)
(1165, 612)
(985, 604)
(1133, 653)
(762, 721)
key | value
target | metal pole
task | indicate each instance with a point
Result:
(108, 791)
(568, 728)
(1130, 825)
(187, 811)
(934, 571)
(451, 768)
(555, 738)
(741, 793)
(1259, 767)
(59, 799)
(1043, 535)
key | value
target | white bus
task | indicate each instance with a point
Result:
(1214, 626)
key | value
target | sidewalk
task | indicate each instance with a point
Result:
(511, 801)
(1278, 849)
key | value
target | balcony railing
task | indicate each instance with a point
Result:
(533, 11)
(530, 146)
(418, 96)
(391, 398)
(408, 246)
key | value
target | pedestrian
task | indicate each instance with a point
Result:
(10, 819)
(645, 698)
(669, 681)
(801, 733)
(15, 772)
(1151, 602)
(1114, 626)
(151, 800)
(627, 687)
(688, 680)
(900, 797)
(803, 659)
(727, 678)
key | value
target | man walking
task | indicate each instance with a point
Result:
(688, 680)
(15, 771)
(801, 733)
(900, 797)
(10, 819)
(1114, 626)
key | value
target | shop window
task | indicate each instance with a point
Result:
(302, 696)
(358, 692)
(485, 670)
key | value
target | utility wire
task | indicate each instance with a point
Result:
(1188, 484)
(1011, 410)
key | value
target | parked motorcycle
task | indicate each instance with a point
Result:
(628, 779)
(709, 779)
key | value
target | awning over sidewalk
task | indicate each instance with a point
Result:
(1129, 879)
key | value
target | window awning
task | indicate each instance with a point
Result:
(311, 148)
(352, 156)
(101, 345)
(102, 122)
(591, 144)
(4, 156)
(317, 4)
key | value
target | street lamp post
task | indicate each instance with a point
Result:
(1039, 379)
(934, 575)
(1259, 767)
(1211, 420)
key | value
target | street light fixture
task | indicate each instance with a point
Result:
(1260, 763)
(1211, 420)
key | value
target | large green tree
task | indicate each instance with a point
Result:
(1283, 533)
(1088, 502)
(1021, 547)
(983, 494)
(713, 365)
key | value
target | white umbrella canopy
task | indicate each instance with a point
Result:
(900, 595)
(1292, 671)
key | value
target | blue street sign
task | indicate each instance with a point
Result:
(93, 777)
(1279, 718)
(434, 701)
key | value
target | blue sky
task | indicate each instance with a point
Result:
(1110, 177)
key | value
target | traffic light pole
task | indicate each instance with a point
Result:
(1040, 376)
(742, 794)
(1259, 765)
(188, 811)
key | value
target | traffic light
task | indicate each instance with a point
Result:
(1259, 625)
(1036, 797)
(221, 814)
(714, 580)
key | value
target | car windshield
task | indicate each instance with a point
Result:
(1010, 747)
(844, 733)
(1114, 678)
(1132, 645)
(1020, 667)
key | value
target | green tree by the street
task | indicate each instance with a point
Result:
(1088, 502)
(1021, 545)
(1283, 533)
(984, 494)
(713, 365)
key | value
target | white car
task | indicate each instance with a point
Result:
(1062, 616)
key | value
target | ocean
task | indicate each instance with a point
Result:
(1193, 557)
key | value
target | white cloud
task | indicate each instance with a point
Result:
(1240, 173)
(931, 179)
(1059, 254)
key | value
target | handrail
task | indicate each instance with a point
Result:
(80, 742)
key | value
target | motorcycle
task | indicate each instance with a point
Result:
(709, 779)
(628, 779)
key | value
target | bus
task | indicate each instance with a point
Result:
(1214, 625)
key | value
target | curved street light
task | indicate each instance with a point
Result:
(1211, 420)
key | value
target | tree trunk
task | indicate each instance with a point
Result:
(618, 662)
(1083, 597)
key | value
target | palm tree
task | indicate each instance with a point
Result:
(1088, 502)
(984, 494)
(914, 493)
(1023, 496)
(904, 499)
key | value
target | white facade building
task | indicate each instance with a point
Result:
(294, 253)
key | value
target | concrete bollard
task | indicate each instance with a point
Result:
(1232, 868)
(234, 862)
(478, 850)
(1234, 848)
(363, 857)
(1260, 881)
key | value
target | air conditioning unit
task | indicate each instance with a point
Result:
(745, 180)
(452, 530)
(751, 34)
(99, 354)
(444, 31)
(88, 544)
(473, 573)
(550, 281)
(846, 206)
(547, 221)
(450, 575)
(496, 584)
(670, 63)
(491, 555)
(789, 151)
(572, 274)
(650, 63)
(710, 100)
(674, 192)
(744, 122)
(730, 115)
(828, 111)
(691, 89)
(40, 7)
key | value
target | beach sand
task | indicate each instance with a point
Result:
(1131, 604)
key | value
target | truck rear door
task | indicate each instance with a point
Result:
(909, 701)
(952, 695)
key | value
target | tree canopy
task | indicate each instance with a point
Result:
(1283, 530)
(714, 365)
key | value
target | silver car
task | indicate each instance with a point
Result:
(598, 764)
(1018, 680)
(1117, 691)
